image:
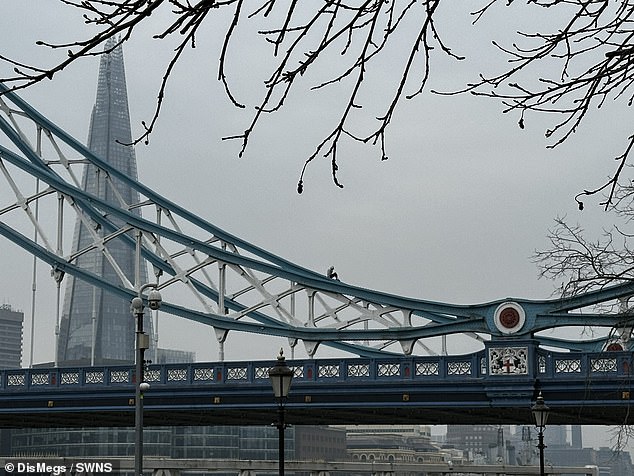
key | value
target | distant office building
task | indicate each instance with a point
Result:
(95, 323)
(392, 444)
(172, 356)
(576, 436)
(524, 442)
(11, 332)
(88, 442)
(556, 436)
(614, 463)
(562, 456)
(609, 462)
(11, 325)
(204, 442)
(403, 430)
(259, 443)
(320, 443)
(485, 443)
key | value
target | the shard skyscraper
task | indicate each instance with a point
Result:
(97, 327)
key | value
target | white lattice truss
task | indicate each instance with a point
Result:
(207, 275)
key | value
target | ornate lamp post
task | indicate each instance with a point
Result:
(540, 413)
(142, 343)
(281, 376)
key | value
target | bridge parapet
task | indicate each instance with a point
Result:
(551, 365)
(499, 384)
(514, 363)
(237, 373)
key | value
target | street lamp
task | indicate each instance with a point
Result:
(281, 376)
(540, 413)
(142, 343)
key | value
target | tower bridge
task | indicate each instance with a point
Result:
(209, 276)
(212, 277)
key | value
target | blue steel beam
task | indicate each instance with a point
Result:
(432, 310)
(435, 318)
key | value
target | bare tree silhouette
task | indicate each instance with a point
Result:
(583, 60)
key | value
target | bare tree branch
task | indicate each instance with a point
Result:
(593, 48)
(299, 39)
(588, 58)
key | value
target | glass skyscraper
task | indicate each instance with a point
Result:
(96, 325)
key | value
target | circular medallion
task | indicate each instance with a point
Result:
(614, 347)
(509, 317)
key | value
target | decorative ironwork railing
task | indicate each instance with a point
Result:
(546, 365)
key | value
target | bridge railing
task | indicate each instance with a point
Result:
(548, 366)
(596, 365)
(324, 370)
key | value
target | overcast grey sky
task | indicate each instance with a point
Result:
(453, 216)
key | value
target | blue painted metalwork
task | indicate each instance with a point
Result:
(581, 388)
(266, 294)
